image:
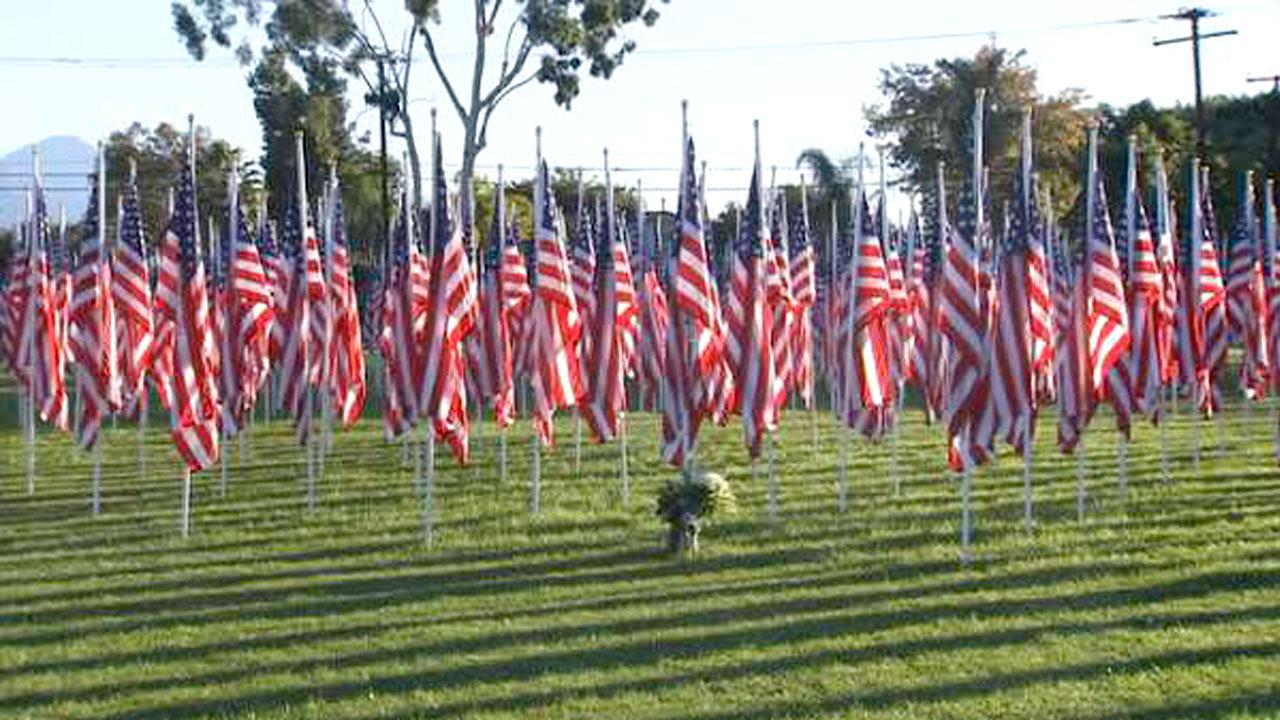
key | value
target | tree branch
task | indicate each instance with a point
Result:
(444, 79)
(484, 124)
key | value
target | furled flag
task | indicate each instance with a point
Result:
(273, 263)
(91, 340)
(868, 387)
(1108, 329)
(651, 357)
(937, 346)
(1166, 256)
(749, 340)
(17, 293)
(183, 311)
(1246, 301)
(582, 265)
(1271, 267)
(1075, 403)
(918, 329)
(516, 294)
(804, 295)
(301, 362)
(131, 293)
(490, 349)
(780, 301)
(404, 298)
(714, 386)
(1146, 288)
(1019, 287)
(612, 327)
(442, 396)
(964, 323)
(553, 327)
(8, 326)
(898, 318)
(42, 342)
(346, 348)
(1204, 341)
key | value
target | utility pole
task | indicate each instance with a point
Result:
(1274, 79)
(382, 139)
(1194, 16)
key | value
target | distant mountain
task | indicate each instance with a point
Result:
(65, 161)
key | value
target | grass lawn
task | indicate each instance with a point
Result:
(1164, 606)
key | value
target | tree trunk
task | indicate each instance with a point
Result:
(415, 163)
(469, 152)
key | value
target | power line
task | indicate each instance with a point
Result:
(1194, 16)
(170, 62)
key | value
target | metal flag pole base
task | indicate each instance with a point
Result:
(1219, 436)
(31, 444)
(626, 471)
(535, 477)
(773, 477)
(577, 443)
(1164, 447)
(842, 489)
(1123, 461)
(186, 501)
(405, 442)
(502, 456)
(225, 469)
(894, 480)
(813, 427)
(142, 440)
(1080, 488)
(1028, 452)
(309, 448)
(244, 448)
(966, 516)
(96, 503)
(1197, 447)
(429, 490)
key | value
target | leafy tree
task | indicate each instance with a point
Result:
(928, 118)
(571, 34)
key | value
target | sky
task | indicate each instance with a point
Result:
(806, 69)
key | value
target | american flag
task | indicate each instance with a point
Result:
(937, 346)
(916, 371)
(131, 293)
(964, 323)
(582, 265)
(1075, 400)
(1146, 288)
(868, 386)
(553, 327)
(443, 396)
(1246, 295)
(613, 328)
(346, 349)
(1013, 380)
(651, 357)
(8, 323)
(17, 293)
(301, 360)
(1109, 336)
(516, 293)
(404, 297)
(780, 301)
(897, 317)
(273, 263)
(1271, 268)
(490, 348)
(750, 339)
(91, 340)
(1207, 298)
(714, 389)
(183, 306)
(1167, 257)
(804, 294)
(42, 343)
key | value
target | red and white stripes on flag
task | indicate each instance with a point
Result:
(346, 347)
(1205, 337)
(868, 387)
(1109, 336)
(503, 290)
(780, 301)
(1146, 287)
(749, 340)
(42, 344)
(405, 299)
(183, 310)
(91, 339)
(300, 363)
(131, 294)
(442, 395)
(613, 328)
(1246, 295)
(1271, 267)
(553, 328)
(804, 297)
(964, 323)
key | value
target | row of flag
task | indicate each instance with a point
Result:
(988, 327)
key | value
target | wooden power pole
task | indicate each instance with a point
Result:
(1194, 16)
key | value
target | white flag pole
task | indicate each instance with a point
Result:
(101, 212)
(535, 474)
(615, 237)
(1080, 480)
(429, 489)
(1197, 236)
(233, 189)
(33, 242)
(186, 501)
(300, 163)
(846, 433)
(326, 387)
(966, 489)
(1164, 222)
(1270, 233)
